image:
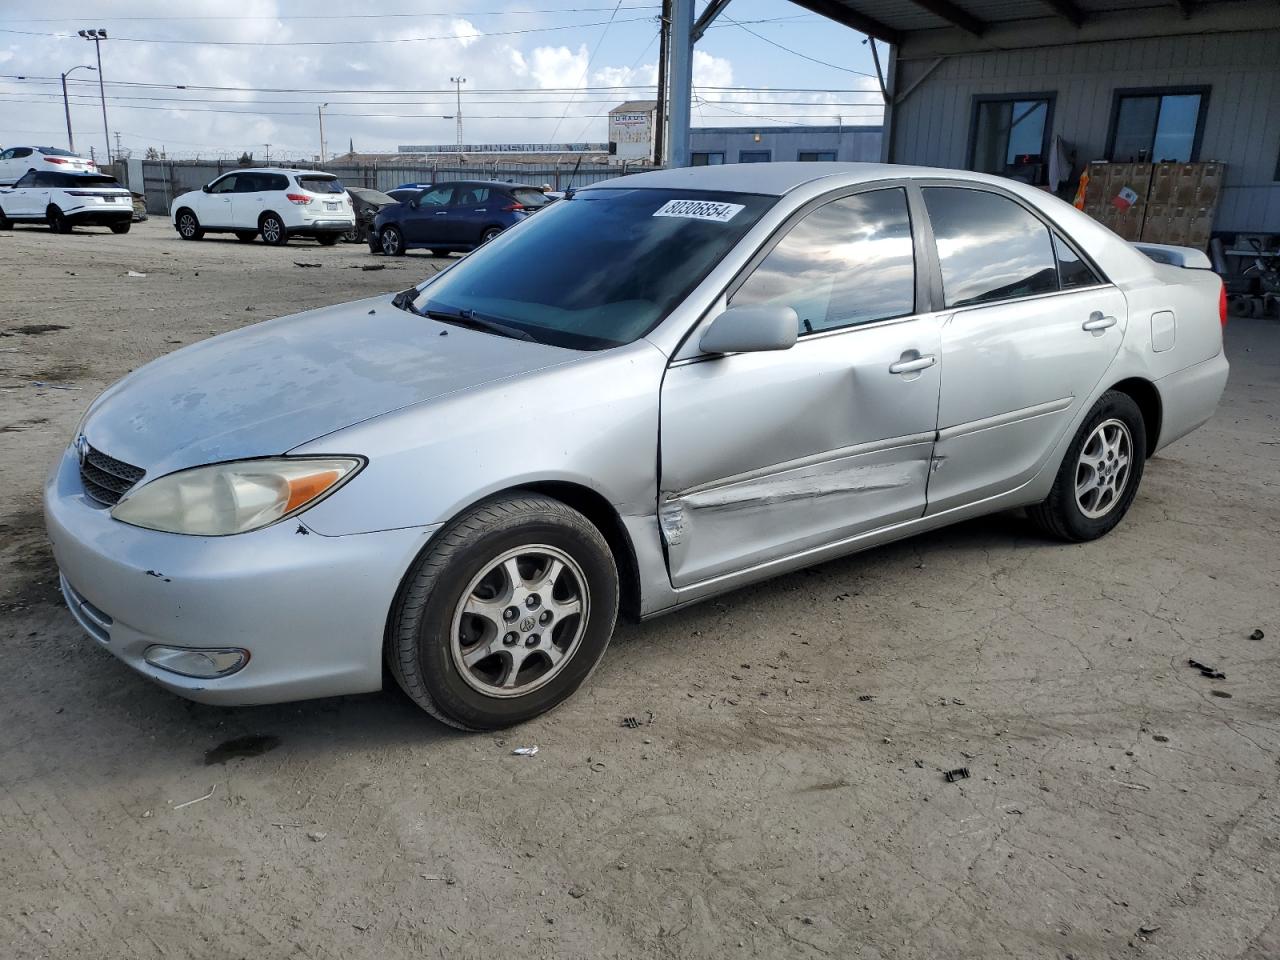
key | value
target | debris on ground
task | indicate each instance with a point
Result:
(1220, 693)
(300, 263)
(577, 893)
(212, 791)
(373, 266)
(959, 773)
(631, 723)
(135, 273)
(1159, 738)
(1257, 634)
(526, 751)
(316, 835)
(1206, 671)
(1148, 928)
(866, 698)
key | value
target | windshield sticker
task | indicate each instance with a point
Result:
(700, 210)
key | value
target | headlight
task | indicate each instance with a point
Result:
(228, 498)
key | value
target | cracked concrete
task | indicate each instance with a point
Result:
(765, 812)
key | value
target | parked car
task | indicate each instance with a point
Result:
(67, 200)
(660, 389)
(453, 216)
(271, 202)
(15, 161)
(365, 204)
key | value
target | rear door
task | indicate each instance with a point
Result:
(1030, 329)
(474, 208)
(249, 199)
(423, 221)
(767, 455)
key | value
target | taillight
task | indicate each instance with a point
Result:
(1222, 305)
(57, 160)
(515, 206)
(301, 199)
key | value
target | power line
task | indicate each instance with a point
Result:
(797, 53)
(333, 16)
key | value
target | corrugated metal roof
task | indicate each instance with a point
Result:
(636, 106)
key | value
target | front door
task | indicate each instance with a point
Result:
(425, 220)
(30, 196)
(1030, 330)
(768, 455)
(215, 206)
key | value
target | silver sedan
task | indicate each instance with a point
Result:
(661, 388)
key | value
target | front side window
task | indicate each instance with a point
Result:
(437, 197)
(20, 152)
(754, 156)
(816, 156)
(706, 159)
(1011, 138)
(990, 247)
(1156, 126)
(850, 261)
(226, 184)
(648, 249)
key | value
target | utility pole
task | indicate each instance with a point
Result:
(660, 115)
(66, 104)
(267, 155)
(457, 84)
(97, 36)
(320, 113)
(681, 81)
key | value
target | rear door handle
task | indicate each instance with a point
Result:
(441, 213)
(1097, 322)
(913, 366)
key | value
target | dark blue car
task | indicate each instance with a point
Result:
(455, 216)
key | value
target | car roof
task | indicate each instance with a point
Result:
(284, 170)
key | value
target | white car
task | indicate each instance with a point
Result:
(279, 204)
(15, 161)
(67, 200)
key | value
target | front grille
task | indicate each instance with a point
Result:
(107, 479)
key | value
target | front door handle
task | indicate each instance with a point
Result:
(1097, 322)
(914, 365)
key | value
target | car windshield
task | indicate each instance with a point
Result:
(321, 184)
(530, 197)
(600, 269)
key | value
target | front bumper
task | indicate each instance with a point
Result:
(310, 609)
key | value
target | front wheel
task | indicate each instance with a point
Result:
(273, 230)
(392, 242)
(121, 227)
(246, 236)
(58, 221)
(327, 239)
(1100, 473)
(5, 222)
(188, 226)
(505, 614)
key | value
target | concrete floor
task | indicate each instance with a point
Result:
(766, 811)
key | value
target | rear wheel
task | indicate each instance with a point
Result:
(273, 230)
(505, 614)
(327, 239)
(489, 234)
(5, 222)
(438, 253)
(246, 236)
(121, 227)
(1100, 473)
(58, 222)
(392, 243)
(188, 225)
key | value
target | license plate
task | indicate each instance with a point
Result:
(331, 205)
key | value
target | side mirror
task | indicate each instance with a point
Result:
(205, 188)
(751, 330)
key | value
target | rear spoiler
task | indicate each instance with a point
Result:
(1187, 257)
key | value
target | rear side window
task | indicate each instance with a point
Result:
(991, 249)
(850, 261)
(1073, 271)
(316, 184)
(470, 196)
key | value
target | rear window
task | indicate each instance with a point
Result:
(56, 152)
(529, 197)
(318, 184)
(87, 180)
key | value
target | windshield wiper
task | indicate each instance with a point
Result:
(472, 320)
(404, 300)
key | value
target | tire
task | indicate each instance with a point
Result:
(121, 227)
(328, 239)
(1109, 449)
(438, 253)
(351, 236)
(188, 225)
(5, 222)
(246, 236)
(489, 235)
(391, 242)
(274, 232)
(430, 634)
(58, 223)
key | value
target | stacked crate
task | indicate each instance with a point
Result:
(1109, 186)
(1156, 202)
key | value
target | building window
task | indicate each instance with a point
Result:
(706, 159)
(1010, 136)
(816, 156)
(1153, 126)
(754, 156)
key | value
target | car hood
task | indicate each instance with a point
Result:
(268, 388)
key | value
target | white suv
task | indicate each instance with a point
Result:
(66, 200)
(16, 161)
(274, 202)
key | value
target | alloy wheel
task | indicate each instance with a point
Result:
(271, 229)
(520, 621)
(1102, 470)
(390, 242)
(187, 225)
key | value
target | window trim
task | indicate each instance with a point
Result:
(708, 154)
(1174, 91)
(981, 98)
(767, 154)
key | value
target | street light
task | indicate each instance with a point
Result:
(320, 114)
(97, 36)
(66, 104)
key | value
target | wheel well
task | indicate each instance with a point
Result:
(52, 208)
(182, 210)
(1147, 397)
(264, 213)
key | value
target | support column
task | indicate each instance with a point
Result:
(681, 81)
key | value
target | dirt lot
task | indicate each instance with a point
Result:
(783, 795)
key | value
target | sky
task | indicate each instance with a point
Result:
(536, 71)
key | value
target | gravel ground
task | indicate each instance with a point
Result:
(783, 795)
